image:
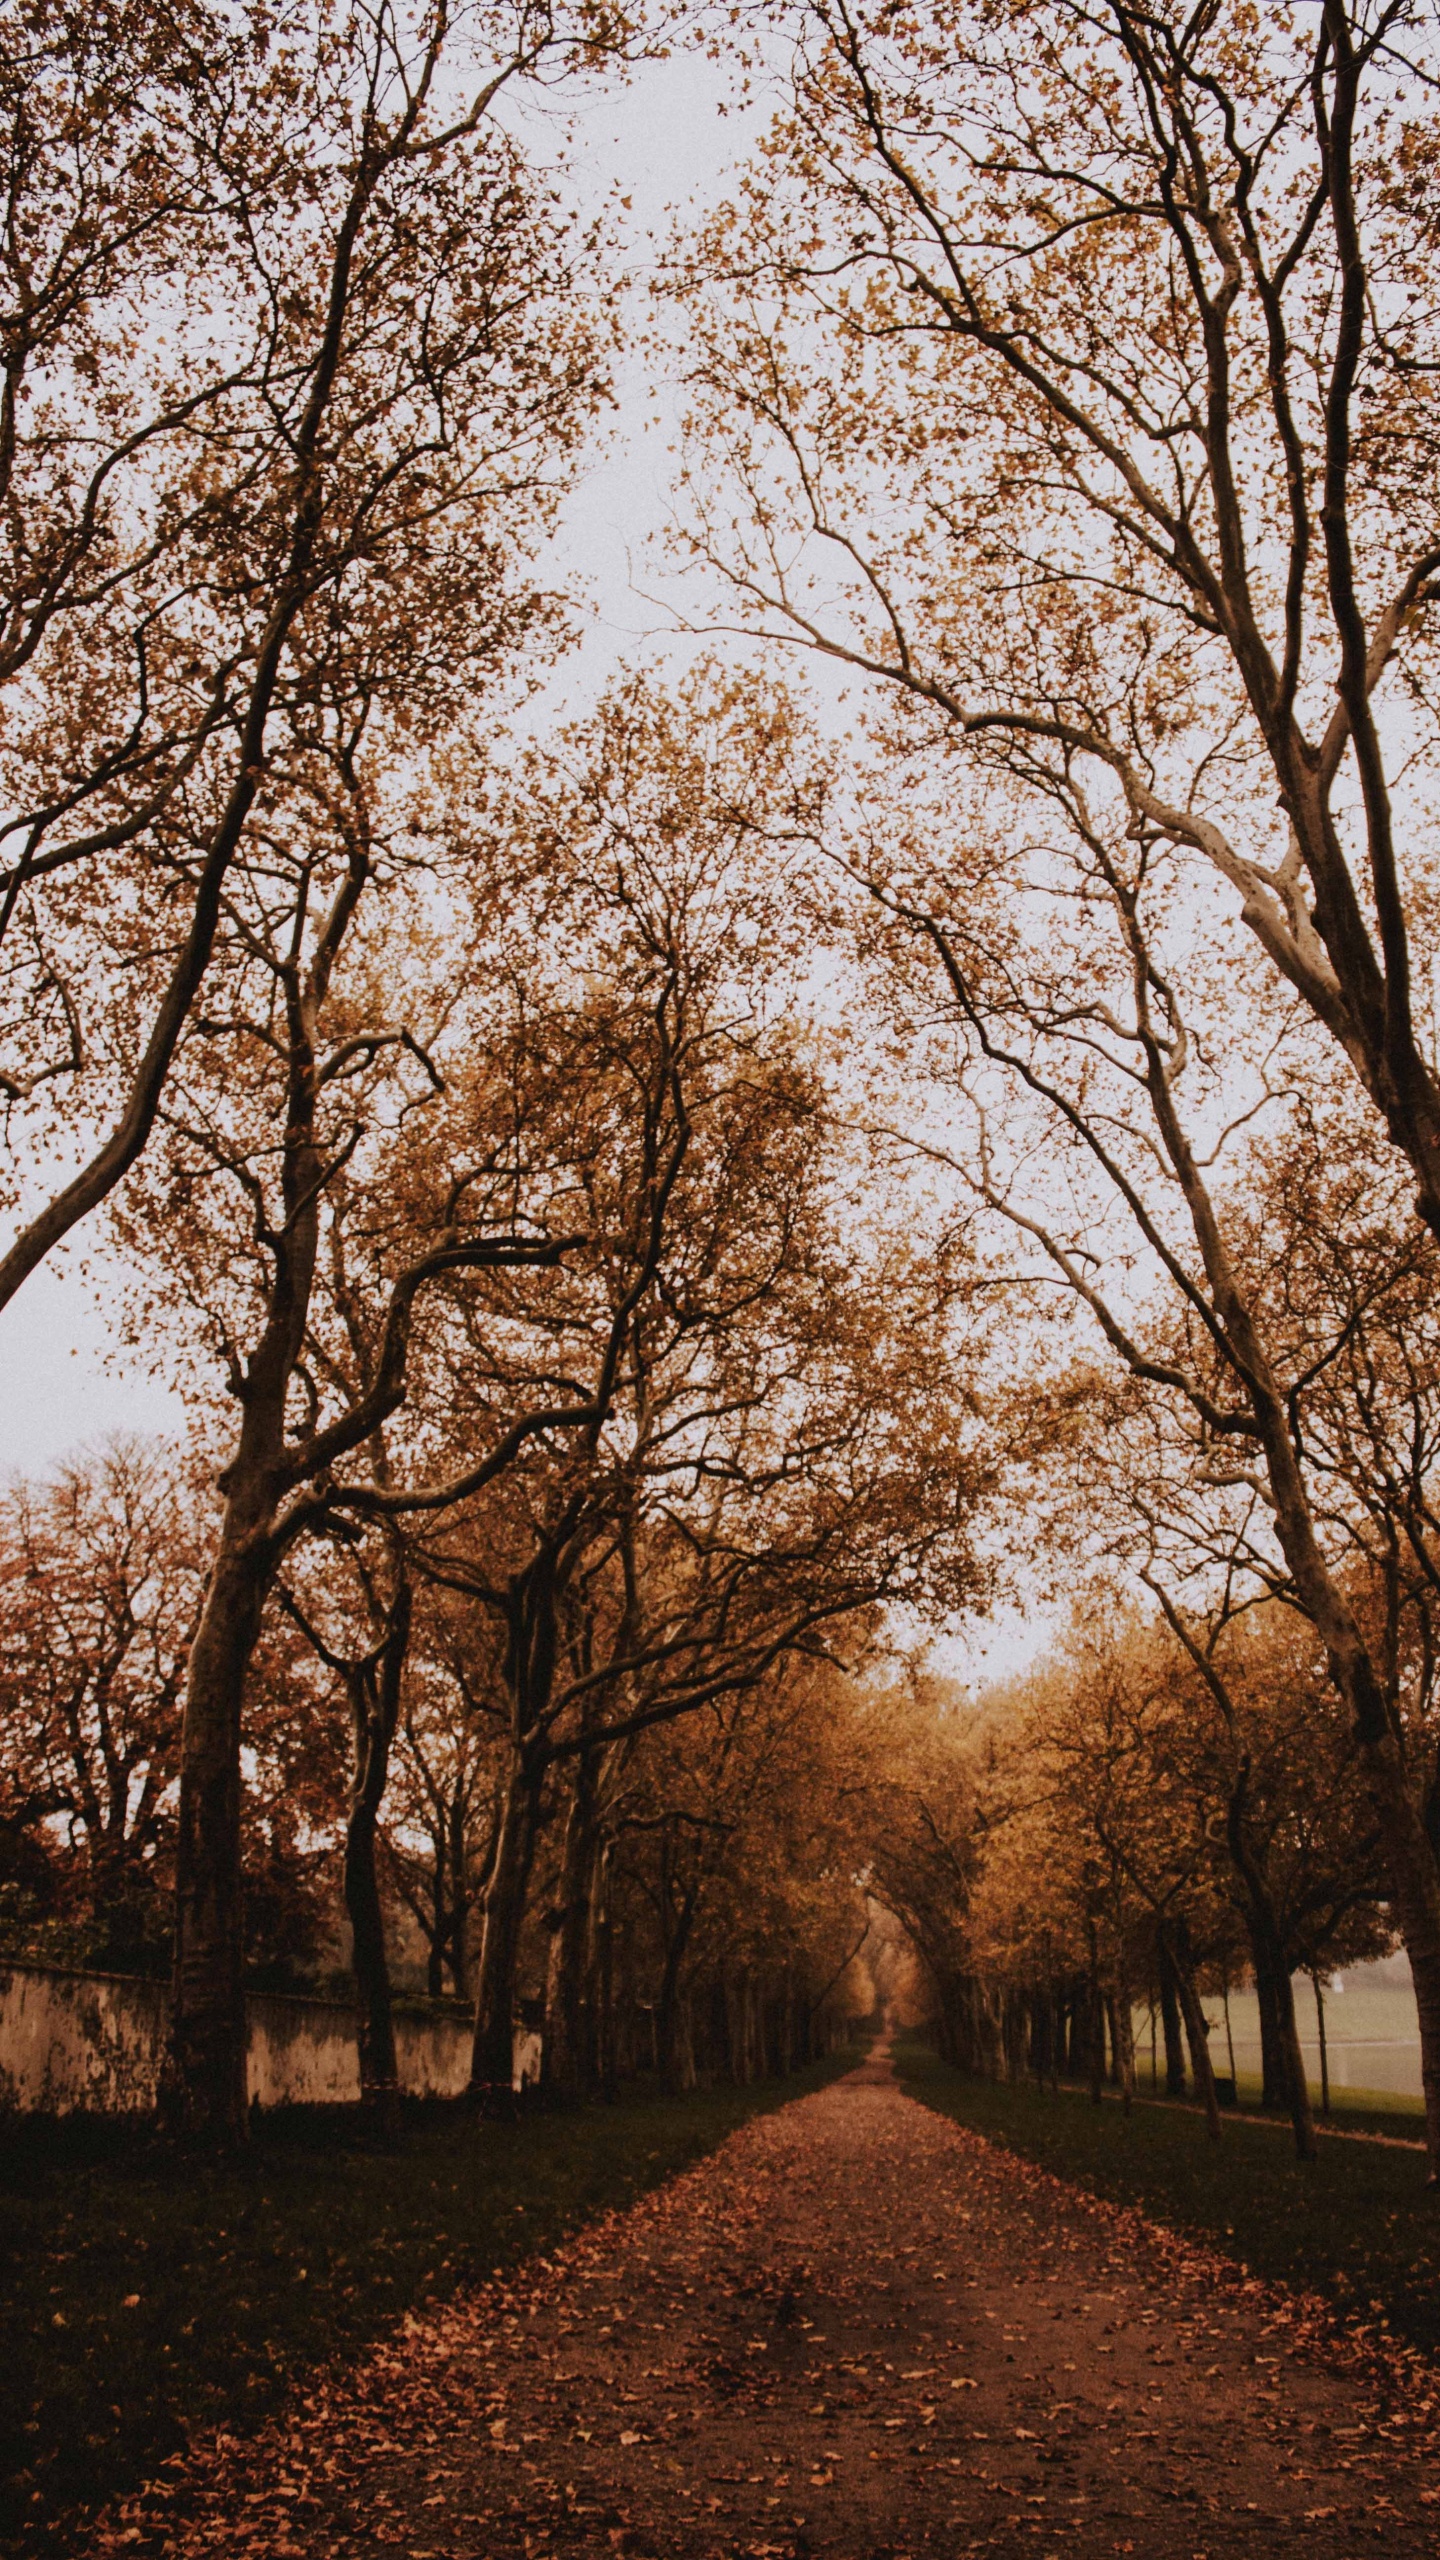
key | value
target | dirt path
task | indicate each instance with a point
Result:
(855, 2331)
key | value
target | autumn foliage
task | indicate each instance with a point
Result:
(665, 1204)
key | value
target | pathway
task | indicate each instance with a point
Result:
(856, 2331)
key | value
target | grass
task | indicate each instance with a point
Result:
(1387, 2111)
(1356, 2226)
(146, 2292)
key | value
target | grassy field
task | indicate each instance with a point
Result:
(1372, 2029)
(145, 2292)
(1387, 2111)
(1357, 2225)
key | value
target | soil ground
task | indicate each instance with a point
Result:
(856, 2331)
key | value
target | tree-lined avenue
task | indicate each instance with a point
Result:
(855, 2330)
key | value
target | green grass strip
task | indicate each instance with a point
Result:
(146, 2292)
(1356, 2226)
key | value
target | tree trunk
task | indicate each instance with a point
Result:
(568, 2059)
(1315, 1986)
(439, 1914)
(1230, 2040)
(1116, 2073)
(669, 2058)
(607, 2050)
(1170, 2026)
(1197, 2039)
(1041, 2038)
(459, 1916)
(375, 1709)
(206, 2091)
(1122, 2042)
(379, 2076)
(492, 2052)
(1292, 2062)
(1273, 2088)
(206, 2071)
(1095, 2026)
(1267, 1942)
(1079, 2028)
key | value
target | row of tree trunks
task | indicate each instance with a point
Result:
(1080, 2029)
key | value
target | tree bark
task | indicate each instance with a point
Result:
(1095, 2026)
(1283, 2065)
(492, 2052)
(1315, 1985)
(1116, 2072)
(205, 2093)
(568, 2059)
(1273, 2091)
(439, 1918)
(375, 1689)
(1170, 2026)
(607, 2052)
(459, 1914)
(668, 2040)
(1197, 2038)
(1122, 2041)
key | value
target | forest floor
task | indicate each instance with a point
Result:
(856, 2330)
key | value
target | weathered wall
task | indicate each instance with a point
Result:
(79, 2040)
(95, 2042)
(301, 2053)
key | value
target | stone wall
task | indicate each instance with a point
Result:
(79, 2041)
(94, 2043)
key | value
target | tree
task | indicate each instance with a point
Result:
(1093, 348)
(440, 1817)
(371, 1593)
(736, 1832)
(99, 1586)
(286, 1091)
(1255, 1730)
(354, 380)
(1232, 1343)
(724, 1452)
(923, 1792)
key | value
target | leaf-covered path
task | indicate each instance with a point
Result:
(856, 2330)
